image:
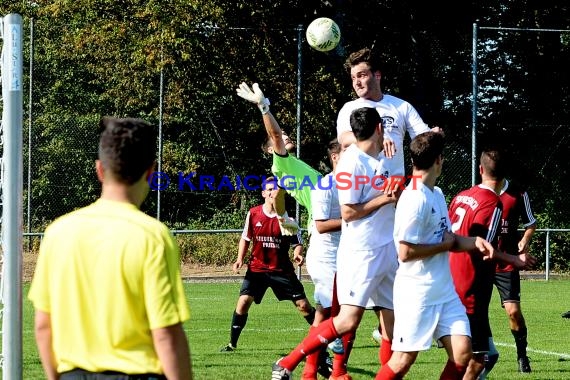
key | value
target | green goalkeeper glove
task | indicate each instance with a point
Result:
(254, 96)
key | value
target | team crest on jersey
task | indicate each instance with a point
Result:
(442, 227)
(380, 179)
(387, 123)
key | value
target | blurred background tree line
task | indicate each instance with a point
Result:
(177, 63)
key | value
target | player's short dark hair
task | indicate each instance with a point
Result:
(333, 147)
(267, 143)
(426, 148)
(363, 122)
(493, 163)
(127, 147)
(365, 55)
(269, 180)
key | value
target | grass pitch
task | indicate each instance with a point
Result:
(274, 328)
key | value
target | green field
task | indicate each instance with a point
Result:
(274, 328)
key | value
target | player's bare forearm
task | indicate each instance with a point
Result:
(521, 261)
(525, 240)
(352, 212)
(43, 334)
(172, 348)
(470, 243)
(328, 225)
(409, 252)
(243, 246)
(275, 133)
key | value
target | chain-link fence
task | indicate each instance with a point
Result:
(194, 141)
(205, 128)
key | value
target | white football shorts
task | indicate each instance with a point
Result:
(322, 275)
(366, 278)
(415, 327)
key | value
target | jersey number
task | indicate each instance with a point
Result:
(460, 212)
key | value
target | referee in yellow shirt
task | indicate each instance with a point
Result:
(107, 291)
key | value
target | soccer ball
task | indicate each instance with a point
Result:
(323, 34)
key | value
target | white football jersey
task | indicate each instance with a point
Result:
(421, 218)
(398, 117)
(354, 168)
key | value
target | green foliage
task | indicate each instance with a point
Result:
(214, 249)
(177, 63)
(556, 244)
(208, 249)
(64, 169)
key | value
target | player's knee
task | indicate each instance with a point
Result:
(345, 323)
(400, 362)
(463, 358)
(512, 313)
(518, 318)
(243, 304)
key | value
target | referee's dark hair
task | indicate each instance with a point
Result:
(127, 147)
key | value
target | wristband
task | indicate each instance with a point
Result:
(264, 106)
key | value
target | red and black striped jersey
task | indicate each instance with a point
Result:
(269, 248)
(474, 212)
(516, 212)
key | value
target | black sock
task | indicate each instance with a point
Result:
(238, 323)
(310, 318)
(520, 341)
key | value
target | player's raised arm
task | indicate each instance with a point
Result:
(255, 95)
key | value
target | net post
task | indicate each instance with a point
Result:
(12, 197)
(474, 110)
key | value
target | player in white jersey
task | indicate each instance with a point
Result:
(321, 255)
(426, 305)
(325, 235)
(398, 116)
(366, 258)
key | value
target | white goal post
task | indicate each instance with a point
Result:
(11, 169)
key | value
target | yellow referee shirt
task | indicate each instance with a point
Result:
(107, 274)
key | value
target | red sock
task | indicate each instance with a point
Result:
(340, 360)
(335, 307)
(311, 362)
(386, 373)
(385, 352)
(318, 336)
(453, 371)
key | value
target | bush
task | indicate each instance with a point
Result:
(558, 244)
(211, 249)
